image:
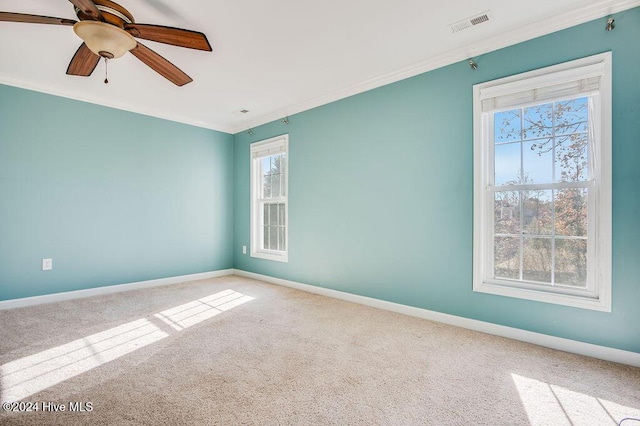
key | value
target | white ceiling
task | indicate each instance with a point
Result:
(275, 57)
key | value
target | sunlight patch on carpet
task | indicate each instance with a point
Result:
(34, 373)
(192, 313)
(549, 404)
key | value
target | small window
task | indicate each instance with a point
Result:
(542, 185)
(269, 206)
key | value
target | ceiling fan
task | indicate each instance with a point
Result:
(108, 30)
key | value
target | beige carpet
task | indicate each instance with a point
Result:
(235, 351)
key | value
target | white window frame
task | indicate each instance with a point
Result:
(258, 151)
(597, 296)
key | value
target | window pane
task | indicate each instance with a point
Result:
(266, 166)
(537, 159)
(536, 259)
(538, 121)
(506, 258)
(265, 214)
(572, 116)
(571, 212)
(507, 212)
(281, 214)
(273, 238)
(571, 262)
(507, 126)
(275, 185)
(283, 181)
(507, 164)
(273, 214)
(572, 158)
(537, 212)
(281, 238)
(265, 237)
(266, 185)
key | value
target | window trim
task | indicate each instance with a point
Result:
(599, 263)
(278, 143)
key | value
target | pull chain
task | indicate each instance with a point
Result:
(106, 80)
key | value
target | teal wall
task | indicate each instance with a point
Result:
(381, 191)
(111, 196)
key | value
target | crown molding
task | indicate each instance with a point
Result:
(527, 32)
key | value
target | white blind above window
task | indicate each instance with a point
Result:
(267, 149)
(555, 85)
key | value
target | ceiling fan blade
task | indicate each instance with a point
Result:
(88, 8)
(169, 35)
(161, 65)
(34, 19)
(83, 62)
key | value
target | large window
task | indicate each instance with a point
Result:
(269, 212)
(542, 190)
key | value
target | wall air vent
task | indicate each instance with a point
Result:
(470, 22)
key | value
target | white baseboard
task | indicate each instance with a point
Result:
(77, 294)
(559, 343)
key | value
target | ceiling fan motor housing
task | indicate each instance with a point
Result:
(112, 13)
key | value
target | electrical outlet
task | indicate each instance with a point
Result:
(47, 264)
(244, 249)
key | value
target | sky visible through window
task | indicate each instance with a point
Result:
(527, 138)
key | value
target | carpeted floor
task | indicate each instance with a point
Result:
(235, 351)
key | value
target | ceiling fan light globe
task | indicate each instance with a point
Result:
(103, 38)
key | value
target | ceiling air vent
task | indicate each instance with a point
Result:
(470, 22)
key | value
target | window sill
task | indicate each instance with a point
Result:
(271, 255)
(601, 303)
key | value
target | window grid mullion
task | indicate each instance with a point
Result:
(266, 220)
(553, 194)
(521, 236)
(272, 200)
(545, 186)
(521, 202)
